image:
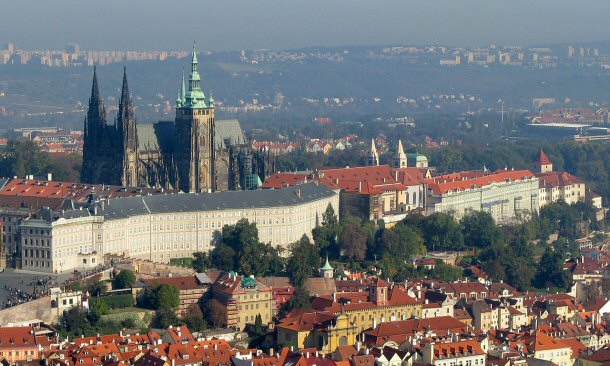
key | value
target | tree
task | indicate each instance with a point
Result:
(195, 319)
(300, 300)
(550, 271)
(240, 249)
(223, 257)
(162, 296)
(240, 235)
(260, 259)
(24, 157)
(125, 279)
(74, 322)
(402, 241)
(97, 308)
(353, 238)
(164, 317)
(98, 289)
(201, 262)
(216, 313)
(325, 235)
(479, 230)
(303, 261)
(442, 232)
(258, 325)
(447, 272)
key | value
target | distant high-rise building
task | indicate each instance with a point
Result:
(571, 51)
(10, 47)
(72, 48)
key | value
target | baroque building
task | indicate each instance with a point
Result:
(193, 153)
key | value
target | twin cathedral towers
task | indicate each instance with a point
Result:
(193, 153)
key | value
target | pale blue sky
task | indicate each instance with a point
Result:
(281, 24)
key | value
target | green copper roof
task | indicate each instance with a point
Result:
(194, 98)
(327, 266)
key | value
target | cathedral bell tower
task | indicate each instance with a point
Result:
(194, 152)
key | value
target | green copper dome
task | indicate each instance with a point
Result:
(327, 266)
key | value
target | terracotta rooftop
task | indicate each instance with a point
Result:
(460, 182)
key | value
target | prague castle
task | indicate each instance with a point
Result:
(194, 153)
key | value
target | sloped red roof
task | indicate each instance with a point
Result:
(17, 337)
(307, 321)
(558, 179)
(459, 182)
(542, 159)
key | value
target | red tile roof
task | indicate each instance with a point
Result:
(558, 179)
(17, 337)
(470, 180)
(405, 328)
(542, 159)
(457, 349)
(307, 321)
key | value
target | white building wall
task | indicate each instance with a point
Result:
(81, 243)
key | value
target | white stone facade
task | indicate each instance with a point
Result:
(80, 243)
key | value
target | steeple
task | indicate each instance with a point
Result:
(327, 271)
(96, 137)
(373, 156)
(125, 98)
(400, 158)
(194, 96)
(126, 121)
(543, 163)
(96, 113)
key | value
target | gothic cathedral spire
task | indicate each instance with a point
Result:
(96, 113)
(94, 134)
(127, 138)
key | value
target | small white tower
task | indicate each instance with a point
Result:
(373, 156)
(399, 159)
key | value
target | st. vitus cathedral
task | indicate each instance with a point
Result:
(193, 153)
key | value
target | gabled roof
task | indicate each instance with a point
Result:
(307, 321)
(542, 159)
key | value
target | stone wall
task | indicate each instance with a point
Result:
(153, 269)
(37, 309)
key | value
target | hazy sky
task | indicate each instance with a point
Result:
(280, 24)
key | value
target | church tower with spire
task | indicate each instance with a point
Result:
(97, 149)
(372, 158)
(194, 150)
(127, 139)
(399, 159)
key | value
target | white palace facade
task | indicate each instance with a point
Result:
(159, 228)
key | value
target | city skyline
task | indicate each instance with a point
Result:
(244, 25)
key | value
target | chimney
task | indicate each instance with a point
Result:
(298, 192)
(49, 176)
